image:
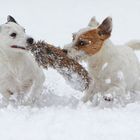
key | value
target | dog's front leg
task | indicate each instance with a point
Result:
(137, 85)
(114, 92)
(36, 90)
(109, 95)
(89, 93)
(6, 97)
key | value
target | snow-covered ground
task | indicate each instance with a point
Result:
(64, 117)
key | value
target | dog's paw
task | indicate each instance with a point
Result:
(28, 101)
(108, 97)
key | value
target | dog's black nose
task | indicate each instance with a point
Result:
(30, 40)
(65, 51)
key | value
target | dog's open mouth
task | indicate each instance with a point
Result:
(18, 47)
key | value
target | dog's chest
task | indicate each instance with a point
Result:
(97, 67)
(99, 70)
(16, 76)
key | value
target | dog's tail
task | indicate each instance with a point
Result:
(134, 44)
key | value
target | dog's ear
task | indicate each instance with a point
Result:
(93, 22)
(105, 28)
(11, 19)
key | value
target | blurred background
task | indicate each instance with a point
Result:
(55, 20)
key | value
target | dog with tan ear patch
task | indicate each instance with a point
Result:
(115, 69)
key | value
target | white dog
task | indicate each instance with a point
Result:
(19, 73)
(115, 69)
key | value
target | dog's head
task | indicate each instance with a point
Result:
(90, 40)
(13, 36)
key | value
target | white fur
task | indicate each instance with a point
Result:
(119, 64)
(134, 44)
(19, 73)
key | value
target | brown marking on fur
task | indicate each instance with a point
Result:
(93, 40)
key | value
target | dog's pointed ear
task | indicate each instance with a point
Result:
(105, 28)
(11, 19)
(93, 22)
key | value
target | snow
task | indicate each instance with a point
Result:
(104, 66)
(59, 123)
(65, 117)
(108, 81)
(120, 75)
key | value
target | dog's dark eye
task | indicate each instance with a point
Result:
(82, 43)
(13, 35)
